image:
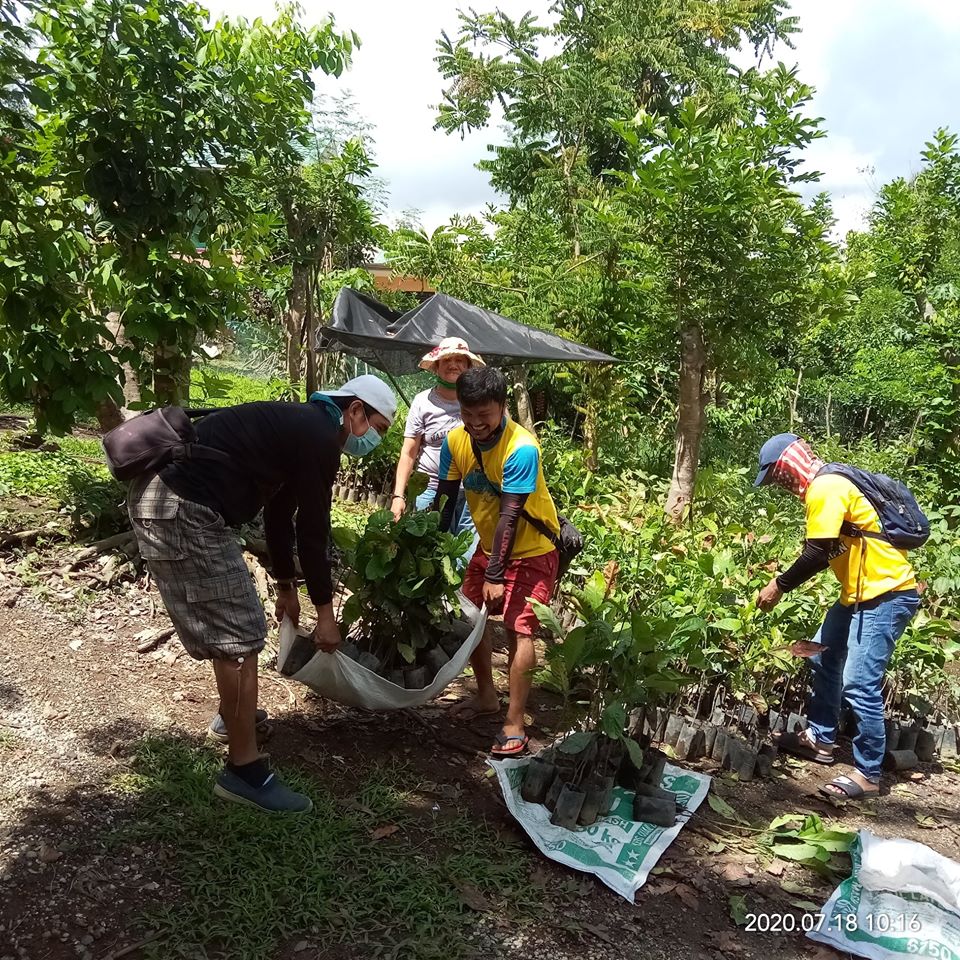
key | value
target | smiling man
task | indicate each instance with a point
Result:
(282, 458)
(498, 463)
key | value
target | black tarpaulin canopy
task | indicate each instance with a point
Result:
(395, 342)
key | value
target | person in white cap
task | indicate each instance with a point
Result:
(433, 414)
(281, 458)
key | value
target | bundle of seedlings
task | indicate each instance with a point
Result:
(401, 619)
(612, 674)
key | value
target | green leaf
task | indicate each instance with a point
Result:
(547, 618)
(635, 752)
(719, 805)
(576, 742)
(644, 639)
(782, 821)
(613, 720)
(407, 652)
(377, 567)
(738, 909)
(573, 647)
(728, 624)
(798, 851)
(594, 591)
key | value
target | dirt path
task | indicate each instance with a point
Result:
(76, 698)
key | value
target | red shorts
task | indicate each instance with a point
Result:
(527, 577)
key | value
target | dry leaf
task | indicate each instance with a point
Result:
(387, 830)
(601, 933)
(473, 898)
(662, 887)
(733, 872)
(49, 854)
(687, 895)
(75, 644)
(726, 941)
(540, 878)
(805, 648)
(776, 867)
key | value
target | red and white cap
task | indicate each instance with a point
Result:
(449, 347)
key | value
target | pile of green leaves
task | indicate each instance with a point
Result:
(404, 579)
(803, 838)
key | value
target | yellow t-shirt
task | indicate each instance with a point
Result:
(865, 567)
(511, 466)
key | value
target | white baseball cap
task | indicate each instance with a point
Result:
(372, 391)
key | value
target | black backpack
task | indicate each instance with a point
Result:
(153, 440)
(902, 522)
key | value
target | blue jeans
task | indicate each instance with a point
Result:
(858, 645)
(461, 519)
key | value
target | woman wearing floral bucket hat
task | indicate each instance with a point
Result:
(433, 414)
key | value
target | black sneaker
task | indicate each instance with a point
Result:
(273, 797)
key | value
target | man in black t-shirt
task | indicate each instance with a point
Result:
(283, 459)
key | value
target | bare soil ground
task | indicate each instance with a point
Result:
(76, 698)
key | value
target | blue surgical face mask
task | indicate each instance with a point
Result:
(355, 446)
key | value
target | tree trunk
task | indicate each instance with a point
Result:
(521, 397)
(130, 378)
(172, 361)
(690, 421)
(591, 438)
(311, 323)
(795, 400)
(293, 320)
(109, 413)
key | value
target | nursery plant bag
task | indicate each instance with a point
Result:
(337, 677)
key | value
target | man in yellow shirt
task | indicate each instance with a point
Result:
(878, 598)
(498, 463)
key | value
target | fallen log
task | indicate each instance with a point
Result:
(24, 538)
(154, 639)
(117, 541)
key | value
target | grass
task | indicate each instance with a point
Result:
(215, 386)
(250, 883)
(74, 479)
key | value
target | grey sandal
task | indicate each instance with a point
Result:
(847, 788)
(798, 745)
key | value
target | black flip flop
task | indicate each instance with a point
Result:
(504, 751)
(796, 744)
(851, 790)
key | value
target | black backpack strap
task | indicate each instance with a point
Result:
(537, 525)
(197, 451)
(195, 413)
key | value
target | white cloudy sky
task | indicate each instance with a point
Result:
(886, 72)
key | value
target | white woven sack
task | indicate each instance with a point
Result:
(337, 677)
